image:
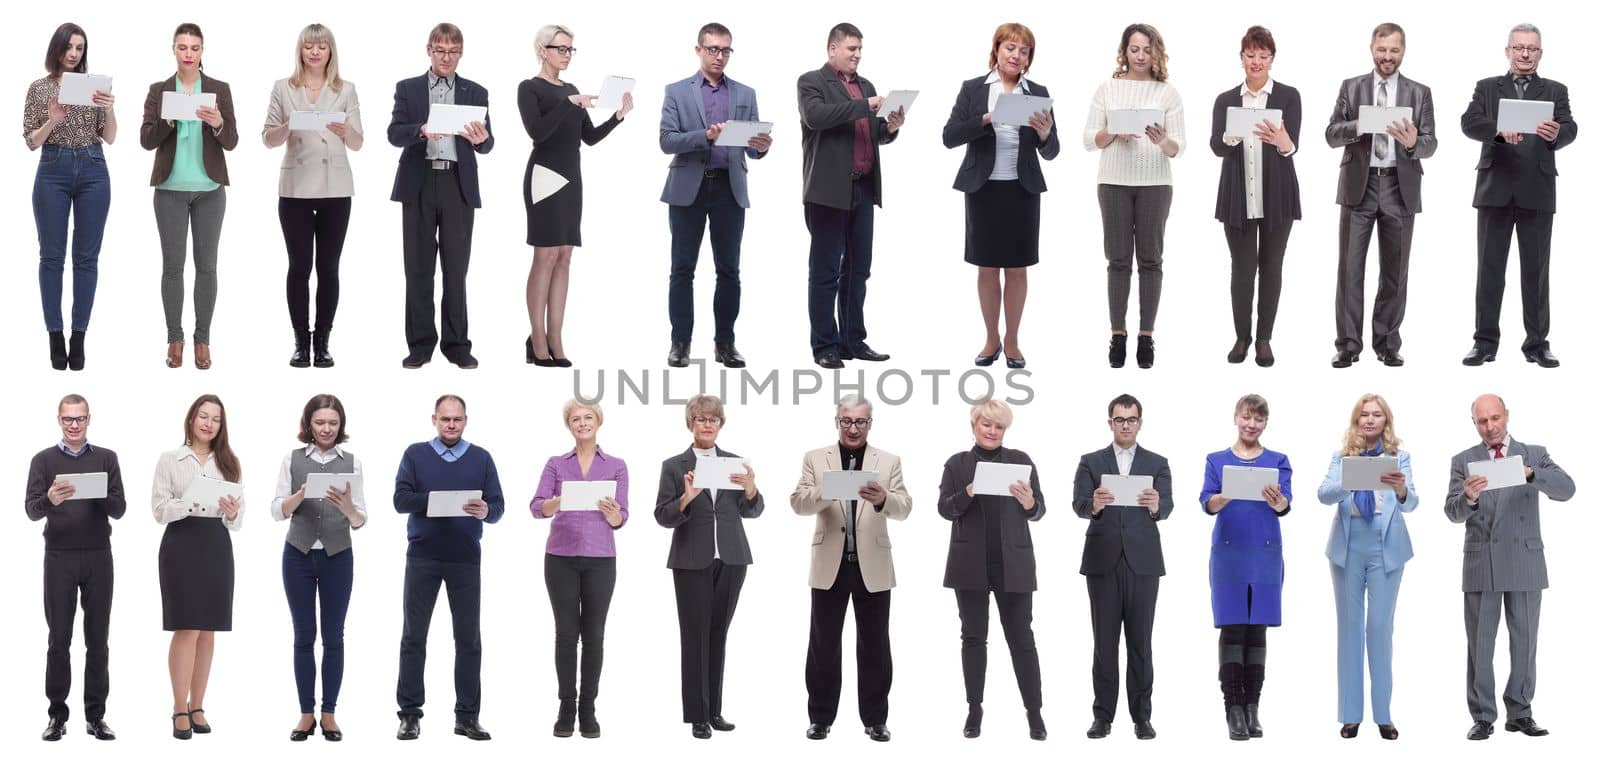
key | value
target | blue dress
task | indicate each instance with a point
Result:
(1246, 547)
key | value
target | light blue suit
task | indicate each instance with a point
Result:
(683, 135)
(1367, 560)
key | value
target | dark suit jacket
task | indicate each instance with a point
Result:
(966, 127)
(692, 545)
(828, 137)
(966, 567)
(405, 132)
(1279, 186)
(1119, 531)
(1359, 91)
(162, 136)
(1523, 175)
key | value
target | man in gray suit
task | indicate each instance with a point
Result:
(706, 181)
(1502, 564)
(1380, 182)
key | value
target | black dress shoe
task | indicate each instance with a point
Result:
(700, 730)
(829, 359)
(410, 728)
(1036, 729)
(1542, 356)
(557, 361)
(1144, 731)
(987, 360)
(1349, 731)
(878, 732)
(1016, 363)
(301, 359)
(200, 728)
(1478, 356)
(1236, 724)
(1145, 354)
(1099, 729)
(720, 724)
(58, 351)
(863, 353)
(1481, 730)
(566, 719)
(1118, 355)
(465, 360)
(1264, 357)
(469, 729)
(974, 724)
(1240, 348)
(320, 357)
(817, 732)
(1252, 719)
(416, 360)
(300, 736)
(1343, 359)
(1390, 358)
(678, 355)
(182, 733)
(729, 356)
(54, 730)
(1388, 732)
(99, 730)
(1527, 726)
(75, 351)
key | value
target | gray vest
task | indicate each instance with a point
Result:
(317, 519)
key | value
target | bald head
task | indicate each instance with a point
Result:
(1490, 417)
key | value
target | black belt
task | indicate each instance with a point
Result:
(854, 176)
(1381, 171)
(441, 164)
(850, 557)
(719, 172)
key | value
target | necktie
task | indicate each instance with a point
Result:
(1365, 501)
(850, 514)
(1499, 450)
(1522, 86)
(1380, 147)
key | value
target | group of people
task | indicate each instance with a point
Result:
(843, 126)
(449, 488)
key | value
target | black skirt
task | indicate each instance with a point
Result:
(1002, 226)
(556, 220)
(196, 563)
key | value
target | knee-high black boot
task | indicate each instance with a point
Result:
(1230, 674)
(1255, 673)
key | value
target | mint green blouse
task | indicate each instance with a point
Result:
(188, 162)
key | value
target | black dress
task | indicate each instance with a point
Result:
(556, 126)
(196, 564)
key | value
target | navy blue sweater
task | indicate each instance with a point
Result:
(446, 539)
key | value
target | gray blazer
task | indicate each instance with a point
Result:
(683, 135)
(315, 165)
(1504, 551)
(828, 137)
(1353, 94)
(693, 547)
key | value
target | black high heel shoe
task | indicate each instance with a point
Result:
(987, 360)
(75, 351)
(974, 724)
(556, 360)
(534, 358)
(58, 351)
(300, 736)
(182, 734)
(199, 728)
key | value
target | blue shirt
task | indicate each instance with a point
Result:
(450, 453)
(66, 449)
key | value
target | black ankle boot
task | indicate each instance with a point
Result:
(319, 349)
(974, 724)
(75, 351)
(1146, 353)
(565, 718)
(1036, 729)
(1119, 350)
(588, 726)
(58, 351)
(1238, 725)
(302, 350)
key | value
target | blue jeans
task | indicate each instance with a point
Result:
(715, 203)
(70, 181)
(306, 578)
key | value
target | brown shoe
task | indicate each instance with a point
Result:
(202, 355)
(174, 354)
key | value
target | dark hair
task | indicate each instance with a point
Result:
(1158, 51)
(843, 31)
(1253, 404)
(1388, 28)
(1258, 37)
(712, 28)
(192, 29)
(446, 32)
(227, 462)
(318, 403)
(58, 48)
(1126, 401)
(449, 397)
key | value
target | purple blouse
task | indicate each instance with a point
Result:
(580, 534)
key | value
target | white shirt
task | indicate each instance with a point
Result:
(175, 470)
(357, 491)
(1394, 145)
(1254, 204)
(716, 551)
(1124, 458)
(1007, 139)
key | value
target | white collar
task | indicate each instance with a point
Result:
(994, 77)
(1244, 89)
(1393, 79)
(311, 451)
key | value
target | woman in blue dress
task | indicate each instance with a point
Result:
(1246, 565)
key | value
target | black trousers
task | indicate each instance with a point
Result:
(1122, 602)
(464, 586)
(69, 576)
(313, 232)
(580, 596)
(1383, 208)
(715, 204)
(824, 654)
(1016, 619)
(1256, 251)
(841, 263)
(438, 229)
(706, 600)
(1495, 225)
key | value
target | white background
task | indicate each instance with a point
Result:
(922, 309)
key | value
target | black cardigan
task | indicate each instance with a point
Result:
(1280, 189)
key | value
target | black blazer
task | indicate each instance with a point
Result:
(828, 137)
(1342, 126)
(966, 127)
(966, 568)
(1523, 175)
(1121, 531)
(692, 545)
(405, 132)
(1280, 188)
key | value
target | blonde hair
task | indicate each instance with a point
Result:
(547, 33)
(1354, 444)
(991, 409)
(575, 404)
(703, 404)
(317, 33)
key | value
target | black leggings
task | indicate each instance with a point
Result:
(580, 596)
(313, 232)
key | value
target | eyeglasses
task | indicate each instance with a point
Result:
(446, 52)
(68, 421)
(846, 424)
(1125, 421)
(708, 420)
(1528, 49)
(716, 51)
(565, 50)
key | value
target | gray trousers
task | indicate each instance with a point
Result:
(1135, 222)
(1522, 625)
(1382, 207)
(177, 212)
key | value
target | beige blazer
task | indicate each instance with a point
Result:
(315, 165)
(872, 529)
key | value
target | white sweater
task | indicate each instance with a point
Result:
(1134, 162)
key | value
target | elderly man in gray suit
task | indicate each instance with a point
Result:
(1380, 183)
(1502, 564)
(706, 181)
